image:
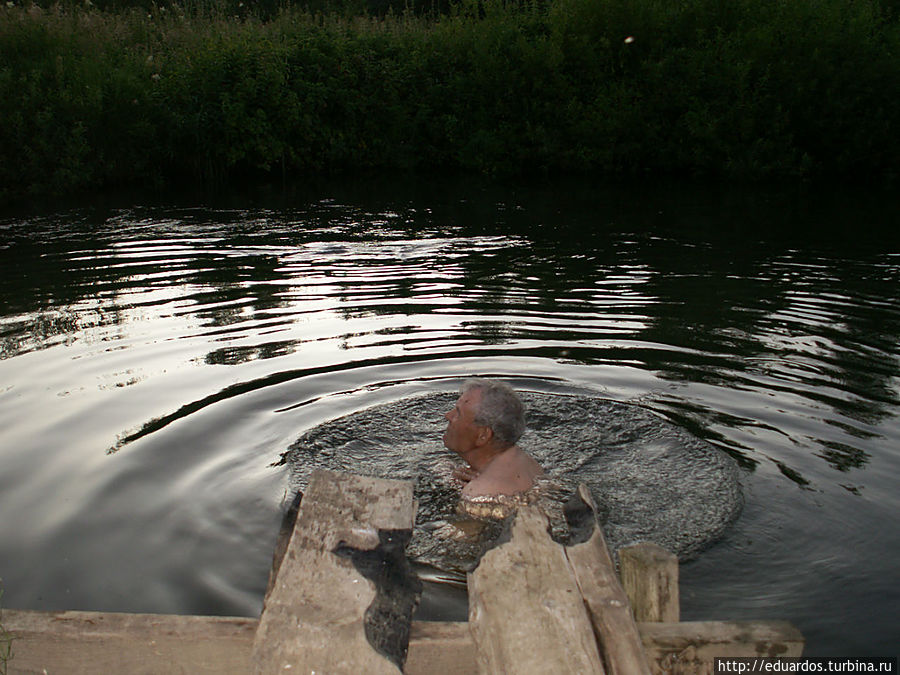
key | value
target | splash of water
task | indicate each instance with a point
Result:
(652, 480)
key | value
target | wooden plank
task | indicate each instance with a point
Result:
(614, 626)
(526, 614)
(689, 648)
(85, 643)
(440, 648)
(93, 642)
(649, 576)
(73, 643)
(288, 521)
(317, 615)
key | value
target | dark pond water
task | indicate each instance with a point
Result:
(158, 361)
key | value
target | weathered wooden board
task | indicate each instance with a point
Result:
(649, 575)
(440, 648)
(614, 626)
(315, 614)
(526, 613)
(288, 522)
(535, 607)
(689, 648)
(76, 643)
(85, 643)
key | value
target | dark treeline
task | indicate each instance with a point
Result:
(93, 97)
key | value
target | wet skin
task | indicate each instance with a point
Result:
(492, 469)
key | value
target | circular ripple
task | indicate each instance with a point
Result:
(652, 480)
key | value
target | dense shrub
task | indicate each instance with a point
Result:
(739, 88)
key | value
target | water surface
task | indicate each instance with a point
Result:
(157, 360)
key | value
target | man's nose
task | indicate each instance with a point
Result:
(447, 415)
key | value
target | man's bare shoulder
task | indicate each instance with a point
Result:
(510, 473)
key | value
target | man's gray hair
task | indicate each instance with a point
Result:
(500, 409)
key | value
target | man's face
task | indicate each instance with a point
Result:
(461, 435)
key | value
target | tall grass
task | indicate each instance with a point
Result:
(735, 88)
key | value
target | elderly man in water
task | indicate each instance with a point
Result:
(483, 428)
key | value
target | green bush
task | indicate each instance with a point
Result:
(91, 98)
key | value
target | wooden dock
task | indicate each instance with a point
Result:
(341, 598)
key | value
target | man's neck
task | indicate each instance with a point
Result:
(480, 457)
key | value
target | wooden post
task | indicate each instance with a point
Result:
(322, 608)
(650, 576)
(613, 622)
(526, 614)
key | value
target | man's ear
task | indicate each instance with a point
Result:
(485, 434)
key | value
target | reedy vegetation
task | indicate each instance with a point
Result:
(733, 88)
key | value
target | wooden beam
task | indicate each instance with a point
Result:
(689, 648)
(321, 613)
(74, 643)
(85, 643)
(526, 613)
(650, 577)
(440, 648)
(288, 521)
(535, 607)
(614, 626)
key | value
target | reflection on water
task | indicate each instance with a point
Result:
(155, 362)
